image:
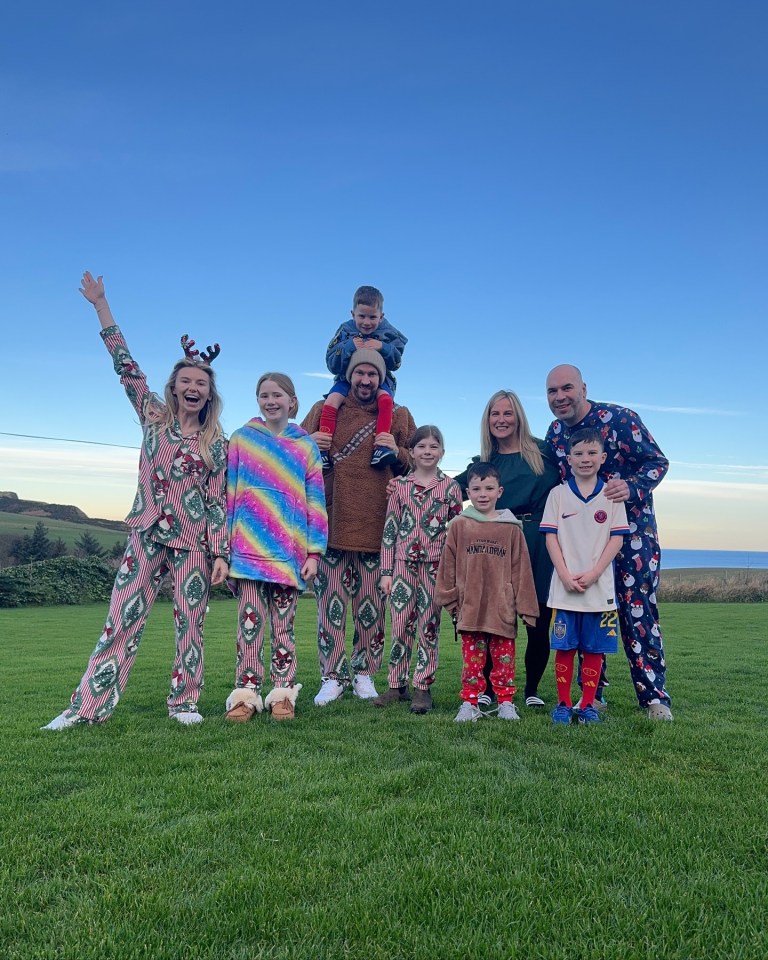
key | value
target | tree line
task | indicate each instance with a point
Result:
(39, 546)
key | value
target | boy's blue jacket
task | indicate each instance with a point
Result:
(342, 346)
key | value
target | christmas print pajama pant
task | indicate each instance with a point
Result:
(345, 576)
(636, 571)
(259, 601)
(473, 651)
(414, 611)
(138, 580)
(637, 579)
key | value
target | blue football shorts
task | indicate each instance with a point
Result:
(588, 632)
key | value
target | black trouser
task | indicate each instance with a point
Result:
(536, 653)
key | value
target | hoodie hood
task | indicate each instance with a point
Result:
(504, 516)
(292, 431)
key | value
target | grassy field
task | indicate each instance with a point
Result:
(359, 833)
(21, 524)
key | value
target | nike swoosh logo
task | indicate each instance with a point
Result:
(566, 515)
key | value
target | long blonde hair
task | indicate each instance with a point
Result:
(210, 428)
(529, 449)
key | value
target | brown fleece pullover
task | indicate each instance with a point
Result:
(485, 573)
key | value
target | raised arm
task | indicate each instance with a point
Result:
(93, 291)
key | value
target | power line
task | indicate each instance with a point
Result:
(93, 443)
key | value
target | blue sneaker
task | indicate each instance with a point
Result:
(587, 715)
(562, 714)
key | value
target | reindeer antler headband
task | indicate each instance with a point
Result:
(197, 356)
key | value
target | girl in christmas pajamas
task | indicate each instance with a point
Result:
(418, 512)
(279, 529)
(177, 523)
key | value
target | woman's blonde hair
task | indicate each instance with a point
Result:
(210, 428)
(285, 383)
(529, 449)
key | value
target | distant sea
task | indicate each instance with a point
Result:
(704, 559)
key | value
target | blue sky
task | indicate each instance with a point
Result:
(529, 183)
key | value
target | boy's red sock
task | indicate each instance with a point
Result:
(564, 675)
(384, 418)
(591, 664)
(328, 419)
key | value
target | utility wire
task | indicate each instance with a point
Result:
(94, 443)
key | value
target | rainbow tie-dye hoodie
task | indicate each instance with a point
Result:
(275, 503)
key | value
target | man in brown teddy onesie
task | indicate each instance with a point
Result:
(356, 499)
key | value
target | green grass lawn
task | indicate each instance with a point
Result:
(356, 832)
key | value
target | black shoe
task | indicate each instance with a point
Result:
(383, 457)
(486, 699)
(325, 456)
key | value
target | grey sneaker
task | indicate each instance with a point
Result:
(467, 713)
(659, 711)
(508, 711)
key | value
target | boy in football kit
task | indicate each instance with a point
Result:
(584, 531)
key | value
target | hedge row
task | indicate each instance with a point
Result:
(69, 580)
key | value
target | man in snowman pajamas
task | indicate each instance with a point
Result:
(633, 468)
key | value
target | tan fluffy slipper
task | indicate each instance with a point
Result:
(242, 704)
(281, 702)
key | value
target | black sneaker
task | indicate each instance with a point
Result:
(325, 456)
(383, 457)
(486, 699)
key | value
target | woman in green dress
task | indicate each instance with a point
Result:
(528, 472)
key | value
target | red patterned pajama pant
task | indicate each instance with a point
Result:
(259, 601)
(473, 649)
(414, 611)
(138, 580)
(344, 577)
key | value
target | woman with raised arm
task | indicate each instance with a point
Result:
(528, 472)
(177, 523)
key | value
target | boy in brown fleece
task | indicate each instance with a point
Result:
(485, 582)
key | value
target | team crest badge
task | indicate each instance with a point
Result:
(559, 630)
(601, 516)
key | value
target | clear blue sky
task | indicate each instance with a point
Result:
(528, 183)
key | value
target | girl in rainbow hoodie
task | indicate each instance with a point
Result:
(278, 528)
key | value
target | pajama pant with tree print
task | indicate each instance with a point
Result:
(344, 576)
(414, 611)
(259, 601)
(138, 580)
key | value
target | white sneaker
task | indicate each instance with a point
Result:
(62, 722)
(467, 713)
(362, 686)
(187, 718)
(508, 711)
(329, 691)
